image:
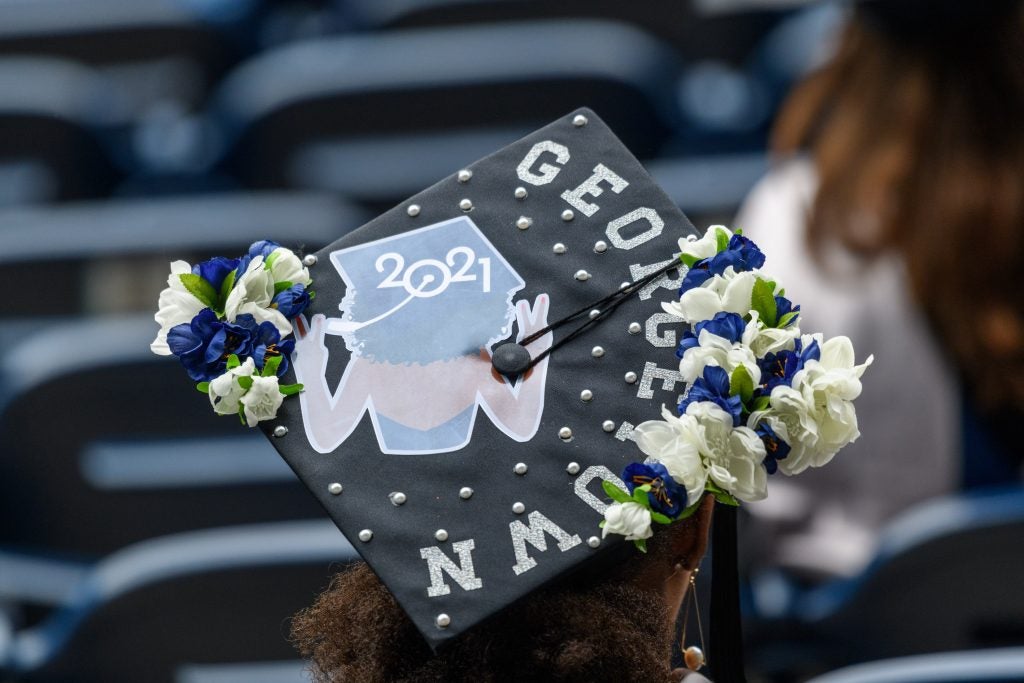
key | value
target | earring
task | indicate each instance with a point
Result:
(693, 656)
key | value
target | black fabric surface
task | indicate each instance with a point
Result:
(431, 481)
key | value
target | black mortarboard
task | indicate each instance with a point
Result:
(464, 489)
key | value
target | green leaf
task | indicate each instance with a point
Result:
(615, 493)
(268, 262)
(270, 365)
(602, 524)
(203, 387)
(200, 289)
(640, 496)
(762, 300)
(233, 361)
(738, 231)
(741, 384)
(241, 416)
(785, 320)
(281, 286)
(688, 512)
(245, 382)
(760, 403)
(290, 389)
(312, 294)
(660, 518)
(641, 544)
(226, 287)
(726, 499)
(720, 494)
(721, 240)
(689, 259)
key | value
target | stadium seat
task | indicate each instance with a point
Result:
(183, 608)
(419, 91)
(1003, 665)
(53, 114)
(944, 578)
(94, 456)
(77, 244)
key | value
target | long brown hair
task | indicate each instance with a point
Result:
(917, 133)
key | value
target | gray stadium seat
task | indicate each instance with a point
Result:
(170, 609)
(434, 85)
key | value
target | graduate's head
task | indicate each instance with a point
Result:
(428, 295)
(613, 620)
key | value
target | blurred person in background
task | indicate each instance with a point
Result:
(896, 210)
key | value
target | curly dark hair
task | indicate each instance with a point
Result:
(606, 623)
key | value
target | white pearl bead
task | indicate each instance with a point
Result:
(564, 433)
(573, 468)
(413, 210)
(334, 488)
(521, 193)
(693, 656)
(523, 222)
(559, 248)
(465, 493)
(464, 175)
(600, 246)
(365, 535)
(442, 620)
(608, 426)
(586, 395)
(568, 215)
(518, 508)
(441, 535)
(520, 468)
(579, 120)
(466, 205)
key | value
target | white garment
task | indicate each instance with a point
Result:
(909, 448)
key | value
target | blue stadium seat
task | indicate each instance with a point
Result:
(172, 608)
(418, 91)
(64, 240)
(53, 113)
(94, 457)
(1003, 665)
(946, 577)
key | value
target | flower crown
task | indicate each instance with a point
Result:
(761, 398)
(229, 322)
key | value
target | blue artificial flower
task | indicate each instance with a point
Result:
(262, 248)
(741, 253)
(777, 369)
(665, 496)
(775, 448)
(204, 344)
(215, 270)
(784, 306)
(726, 325)
(714, 387)
(292, 301)
(266, 343)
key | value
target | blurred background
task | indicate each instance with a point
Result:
(151, 541)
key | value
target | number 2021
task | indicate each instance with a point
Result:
(460, 259)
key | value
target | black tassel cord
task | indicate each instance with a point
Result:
(725, 657)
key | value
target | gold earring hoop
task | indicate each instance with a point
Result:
(693, 656)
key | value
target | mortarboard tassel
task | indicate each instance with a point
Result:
(725, 657)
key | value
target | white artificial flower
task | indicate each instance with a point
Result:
(816, 412)
(629, 519)
(285, 266)
(676, 441)
(262, 400)
(706, 246)
(730, 292)
(719, 351)
(734, 455)
(764, 340)
(225, 391)
(252, 294)
(176, 306)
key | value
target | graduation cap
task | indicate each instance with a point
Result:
(466, 486)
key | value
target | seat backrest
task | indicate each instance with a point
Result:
(217, 596)
(78, 244)
(512, 76)
(946, 578)
(103, 445)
